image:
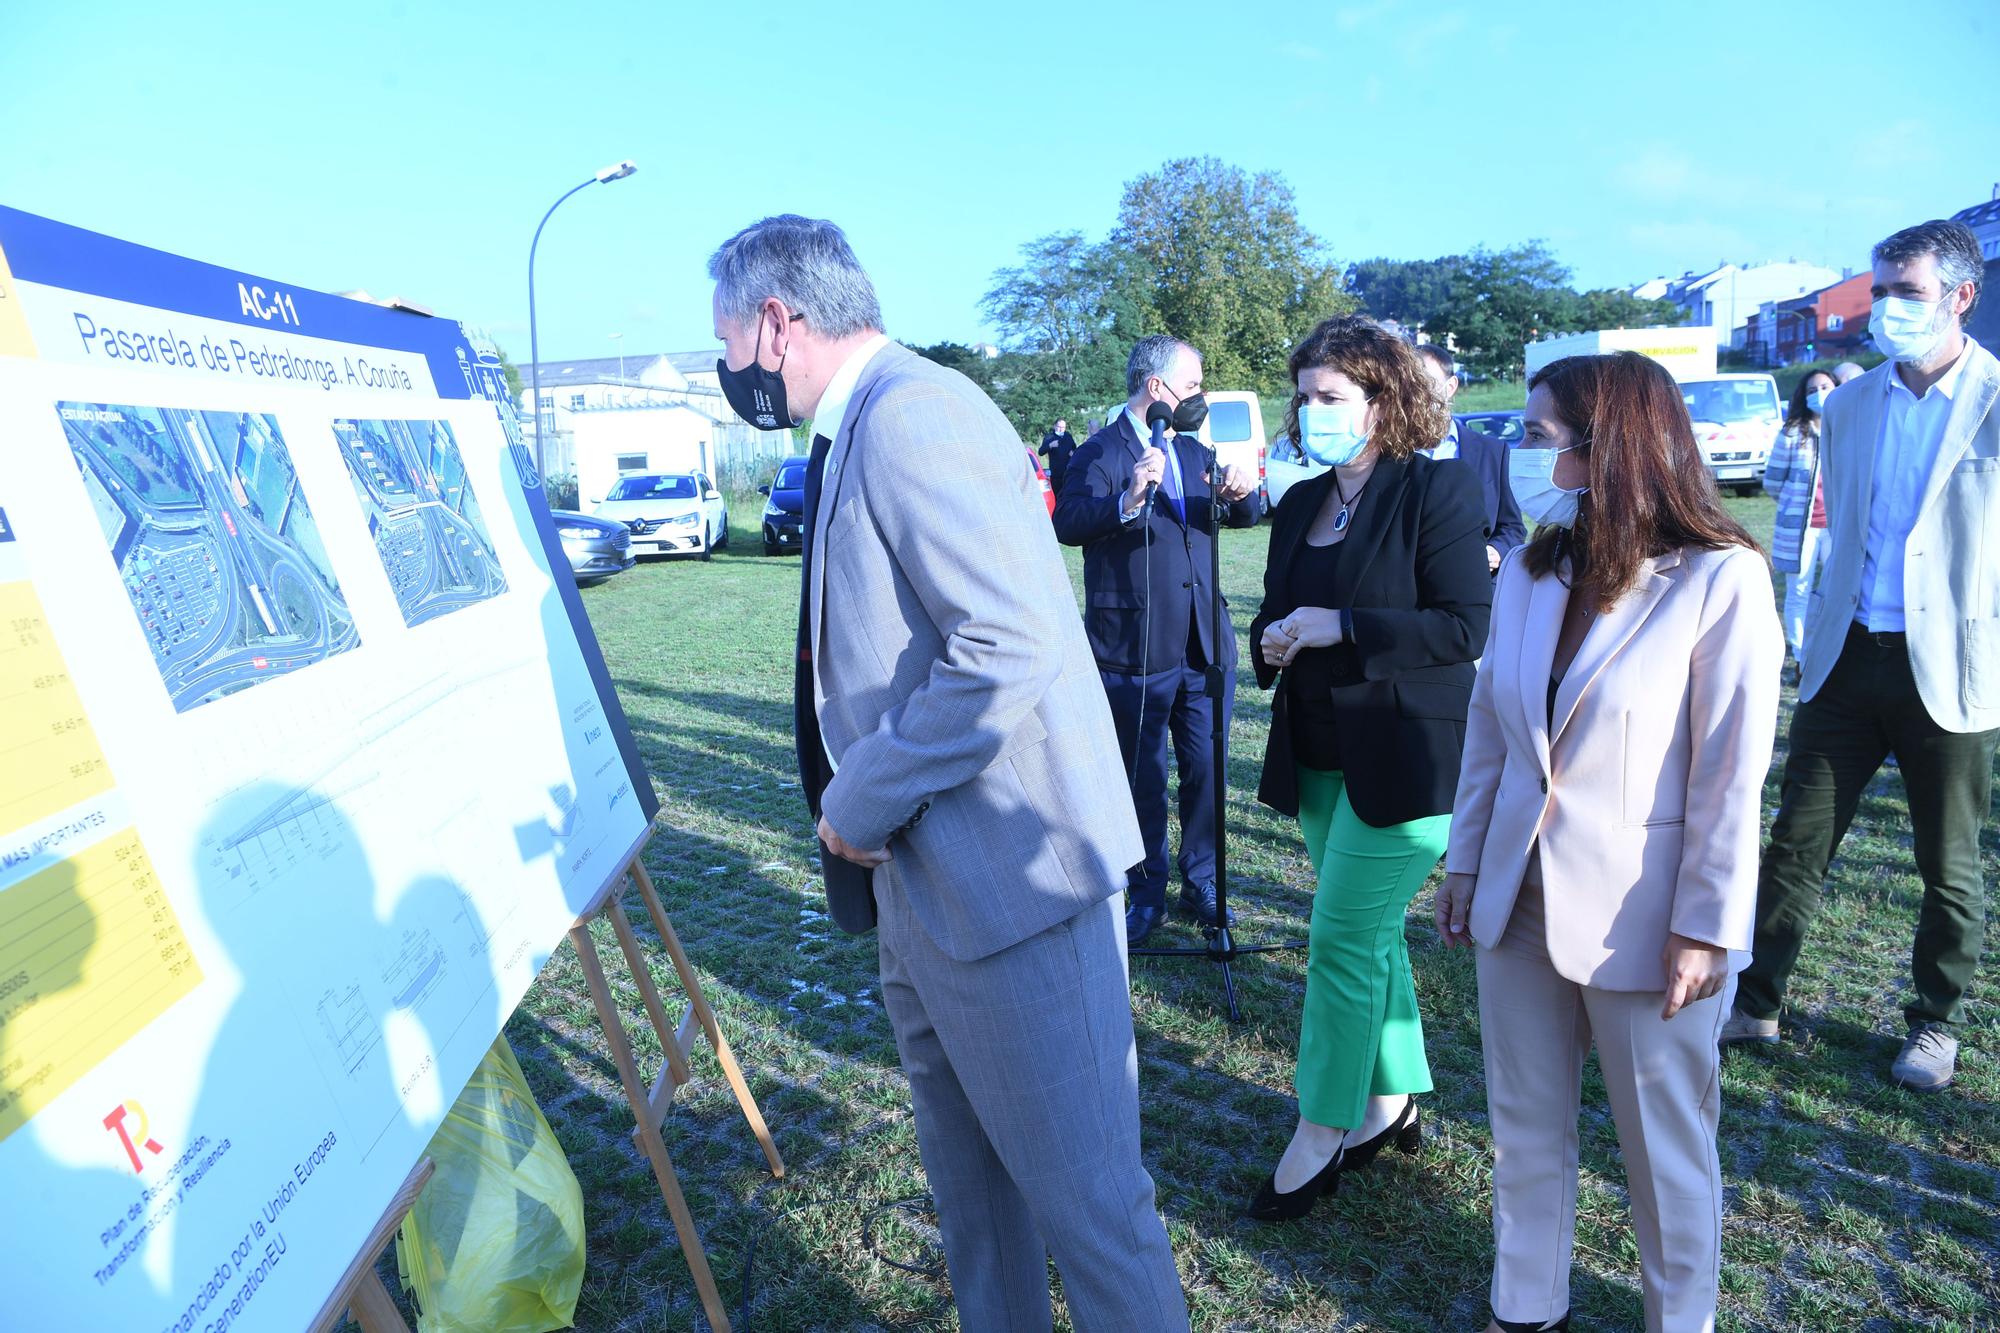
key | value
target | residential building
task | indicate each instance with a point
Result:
(1832, 321)
(1726, 297)
(1984, 219)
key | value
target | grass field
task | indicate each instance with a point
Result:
(1852, 1204)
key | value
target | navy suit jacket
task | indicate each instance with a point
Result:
(1135, 622)
(1488, 457)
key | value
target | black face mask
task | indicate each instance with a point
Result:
(756, 394)
(1189, 412)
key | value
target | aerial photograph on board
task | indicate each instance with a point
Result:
(214, 541)
(422, 513)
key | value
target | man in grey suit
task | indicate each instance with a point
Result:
(955, 742)
(1902, 646)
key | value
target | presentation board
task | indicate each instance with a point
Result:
(308, 758)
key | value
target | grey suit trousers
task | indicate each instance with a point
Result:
(1026, 1083)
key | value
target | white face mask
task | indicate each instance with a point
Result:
(1816, 401)
(1531, 474)
(1331, 434)
(1908, 330)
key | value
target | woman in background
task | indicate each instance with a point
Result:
(1791, 477)
(1376, 594)
(1604, 842)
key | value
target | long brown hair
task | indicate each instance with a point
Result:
(1409, 416)
(1650, 488)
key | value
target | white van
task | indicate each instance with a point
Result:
(1736, 421)
(1235, 430)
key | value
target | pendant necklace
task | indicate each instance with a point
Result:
(1340, 519)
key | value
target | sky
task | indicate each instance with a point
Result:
(410, 148)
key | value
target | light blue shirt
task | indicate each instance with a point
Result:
(1179, 491)
(1912, 433)
(1448, 446)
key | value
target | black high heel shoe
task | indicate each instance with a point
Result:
(1273, 1205)
(1529, 1325)
(1407, 1133)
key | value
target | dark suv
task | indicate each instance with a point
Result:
(785, 506)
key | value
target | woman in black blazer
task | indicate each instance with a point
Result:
(1376, 596)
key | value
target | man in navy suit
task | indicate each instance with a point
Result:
(1483, 454)
(1148, 612)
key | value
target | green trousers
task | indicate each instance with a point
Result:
(1361, 1036)
(1867, 710)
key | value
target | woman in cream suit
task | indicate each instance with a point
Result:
(1603, 852)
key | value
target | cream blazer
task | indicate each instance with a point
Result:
(1951, 564)
(1644, 796)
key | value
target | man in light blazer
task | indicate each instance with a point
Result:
(954, 729)
(1902, 646)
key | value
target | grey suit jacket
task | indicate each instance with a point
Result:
(957, 697)
(1951, 572)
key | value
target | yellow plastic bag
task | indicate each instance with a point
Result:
(495, 1242)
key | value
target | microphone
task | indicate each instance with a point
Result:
(1158, 416)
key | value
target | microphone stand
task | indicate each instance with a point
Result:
(1220, 947)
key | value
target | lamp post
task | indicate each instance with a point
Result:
(619, 338)
(604, 176)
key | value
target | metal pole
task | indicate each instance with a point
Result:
(534, 343)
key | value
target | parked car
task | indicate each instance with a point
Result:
(1285, 468)
(1505, 427)
(1042, 477)
(785, 506)
(1736, 421)
(669, 513)
(597, 547)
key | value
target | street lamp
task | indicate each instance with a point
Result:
(604, 176)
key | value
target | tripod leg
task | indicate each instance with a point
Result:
(1229, 992)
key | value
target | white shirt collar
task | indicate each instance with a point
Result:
(1947, 384)
(831, 415)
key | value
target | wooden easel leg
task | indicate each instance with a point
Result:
(649, 991)
(360, 1292)
(706, 1017)
(371, 1307)
(649, 1133)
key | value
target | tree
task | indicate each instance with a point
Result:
(1614, 308)
(963, 359)
(1066, 315)
(1501, 301)
(1226, 265)
(1413, 292)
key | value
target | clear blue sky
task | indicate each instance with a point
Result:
(409, 148)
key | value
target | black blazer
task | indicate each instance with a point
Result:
(1413, 578)
(1488, 457)
(1116, 588)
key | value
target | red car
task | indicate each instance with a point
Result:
(1042, 476)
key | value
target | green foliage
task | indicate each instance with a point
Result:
(510, 370)
(1201, 250)
(561, 491)
(1228, 267)
(1491, 303)
(1067, 314)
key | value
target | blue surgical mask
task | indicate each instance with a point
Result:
(1331, 433)
(1816, 401)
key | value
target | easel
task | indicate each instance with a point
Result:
(650, 1107)
(360, 1294)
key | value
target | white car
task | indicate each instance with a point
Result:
(1736, 420)
(1286, 468)
(668, 513)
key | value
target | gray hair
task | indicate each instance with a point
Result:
(1957, 251)
(804, 262)
(1152, 355)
